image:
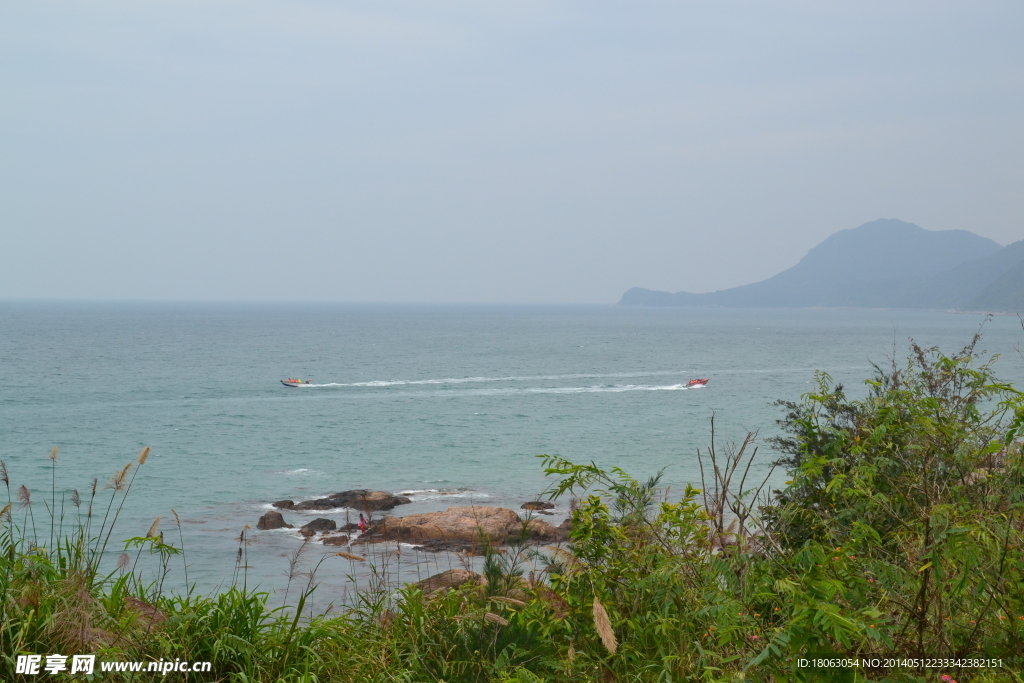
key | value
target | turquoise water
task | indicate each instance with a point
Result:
(452, 402)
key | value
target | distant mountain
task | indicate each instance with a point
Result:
(883, 264)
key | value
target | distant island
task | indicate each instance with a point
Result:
(886, 263)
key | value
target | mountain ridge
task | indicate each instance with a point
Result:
(887, 263)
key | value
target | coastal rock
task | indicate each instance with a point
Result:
(458, 523)
(544, 532)
(284, 504)
(318, 524)
(273, 520)
(537, 505)
(358, 499)
(453, 578)
(336, 540)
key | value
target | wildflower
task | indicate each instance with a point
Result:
(755, 637)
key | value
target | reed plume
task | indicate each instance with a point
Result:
(143, 455)
(153, 528)
(3, 513)
(117, 481)
(53, 454)
(122, 561)
(3, 474)
(350, 556)
(495, 619)
(76, 499)
(24, 495)
(604, 627)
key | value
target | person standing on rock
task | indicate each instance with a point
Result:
(362, 523)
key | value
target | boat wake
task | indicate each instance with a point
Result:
(485, 380)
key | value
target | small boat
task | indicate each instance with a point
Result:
(297, 383)
(696, 383)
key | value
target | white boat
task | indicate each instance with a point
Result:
(297, 383)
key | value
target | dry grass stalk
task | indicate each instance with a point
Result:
(604, 627)
(143, 455)
(177, 520)
(350, 556)
(495, 619)
(152, 533)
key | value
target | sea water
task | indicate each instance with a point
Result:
(450, 403)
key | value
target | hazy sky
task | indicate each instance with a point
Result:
(481, 151)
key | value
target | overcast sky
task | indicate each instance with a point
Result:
(481, 151)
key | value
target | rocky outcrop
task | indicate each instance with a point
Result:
(458, 523)
(537, 505)
(318, 524)
(453, 578)
(284, 504)
(273, 520)
(359, 499)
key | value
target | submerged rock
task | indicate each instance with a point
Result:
(453, 578)
(537, 505)
(336, 540)
(273, 520)
(454, 545)
(358, 499)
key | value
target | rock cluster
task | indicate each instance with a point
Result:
(358, 499)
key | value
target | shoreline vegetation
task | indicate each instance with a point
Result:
(898, 535)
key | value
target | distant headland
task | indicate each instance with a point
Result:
(886, 263)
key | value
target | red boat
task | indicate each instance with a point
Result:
(696, 383)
